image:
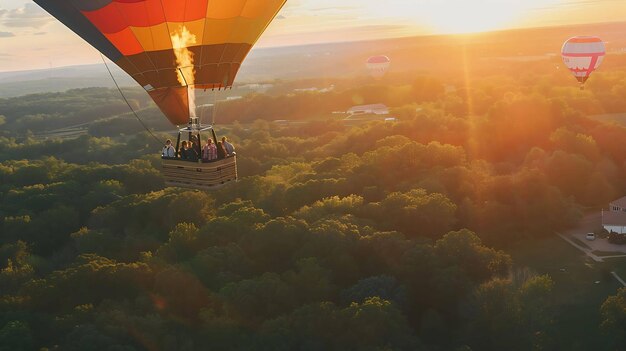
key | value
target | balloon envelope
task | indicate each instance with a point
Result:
(140, 37)
(378, 65)
(583, 55)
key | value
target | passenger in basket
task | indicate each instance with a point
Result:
(183, 150)
(192, 152)
(221, 152)
(209, 151)
(168, 150)
(230, 149)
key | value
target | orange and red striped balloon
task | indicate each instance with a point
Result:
(139, 36)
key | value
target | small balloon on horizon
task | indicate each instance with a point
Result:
(378, 65)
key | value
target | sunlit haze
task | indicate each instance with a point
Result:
(30, 39)
(406, 175)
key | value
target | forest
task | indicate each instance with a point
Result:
(377, 236)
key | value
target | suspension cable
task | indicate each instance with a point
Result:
(202, 108)
(214, 106)
(128, 103)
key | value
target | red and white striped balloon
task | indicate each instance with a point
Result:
(583, 55)
(378, 65)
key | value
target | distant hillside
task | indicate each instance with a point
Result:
(60, 79)
(441, 55)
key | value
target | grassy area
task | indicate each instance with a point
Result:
(577, 296)
(619, 118)
(68, 133)
(618, 265)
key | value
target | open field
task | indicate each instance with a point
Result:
(618, 118)
(618, 265)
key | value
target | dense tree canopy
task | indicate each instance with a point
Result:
(371, 236)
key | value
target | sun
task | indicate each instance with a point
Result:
(469, 16)
(463, 16)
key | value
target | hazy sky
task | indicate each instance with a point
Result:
(29, 38)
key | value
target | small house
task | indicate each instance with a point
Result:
(376, 109)
(618, 205)
(614, 220)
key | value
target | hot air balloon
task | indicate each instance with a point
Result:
(171, 48)
(583, 55)
(378, 65)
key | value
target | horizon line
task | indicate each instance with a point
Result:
(408, 36)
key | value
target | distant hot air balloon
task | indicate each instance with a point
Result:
(582, 56)
(378, 65)
(170, 45)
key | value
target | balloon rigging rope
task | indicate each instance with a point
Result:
(128, 103)
(214, 106)
(201, 110)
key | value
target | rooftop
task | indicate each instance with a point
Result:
(619, 202)
(368, 107)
